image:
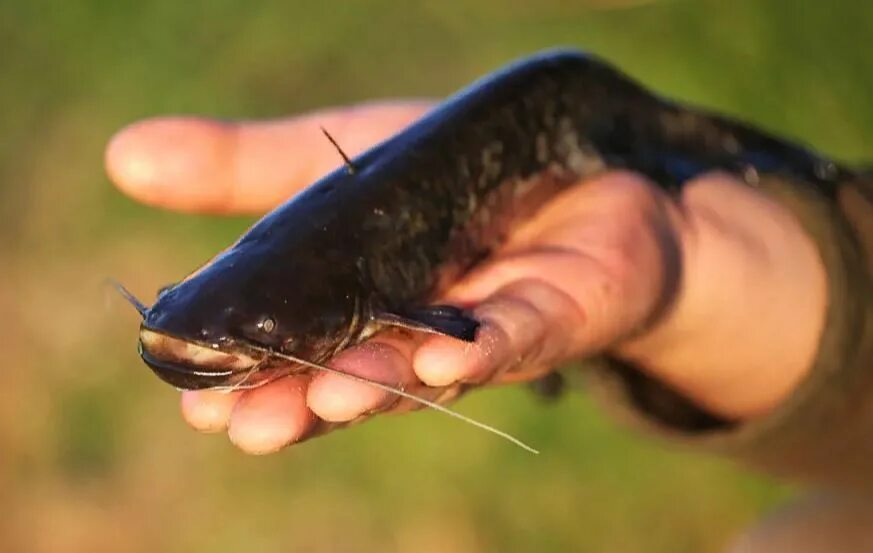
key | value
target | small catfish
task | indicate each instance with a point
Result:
(374, 243)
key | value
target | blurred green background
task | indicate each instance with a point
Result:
(93, 455)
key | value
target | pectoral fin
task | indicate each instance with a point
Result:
(435, 319)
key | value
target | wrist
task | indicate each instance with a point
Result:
(744, 329)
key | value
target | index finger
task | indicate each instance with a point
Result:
(196, 164)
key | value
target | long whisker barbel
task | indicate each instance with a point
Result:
(126, 294)
(254, 368)
(404, 394)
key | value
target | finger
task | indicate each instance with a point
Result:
(618, 271)
(580, 286)
(525, 325)
(202, 165)
(385, 358)
(611, 297)
(271, 417)
(208, 411)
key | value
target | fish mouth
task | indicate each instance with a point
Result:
(192, 365)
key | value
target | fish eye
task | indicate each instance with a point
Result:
(267, 324)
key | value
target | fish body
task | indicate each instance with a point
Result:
(375, 243)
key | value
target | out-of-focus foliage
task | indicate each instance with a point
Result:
(93, 456)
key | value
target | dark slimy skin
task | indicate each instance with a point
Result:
(373, 246)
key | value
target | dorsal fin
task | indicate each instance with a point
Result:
(350, 167)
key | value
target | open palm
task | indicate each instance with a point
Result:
(612, 264)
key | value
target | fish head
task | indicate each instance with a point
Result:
(217, 328)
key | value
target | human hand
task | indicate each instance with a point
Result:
(720, 295)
